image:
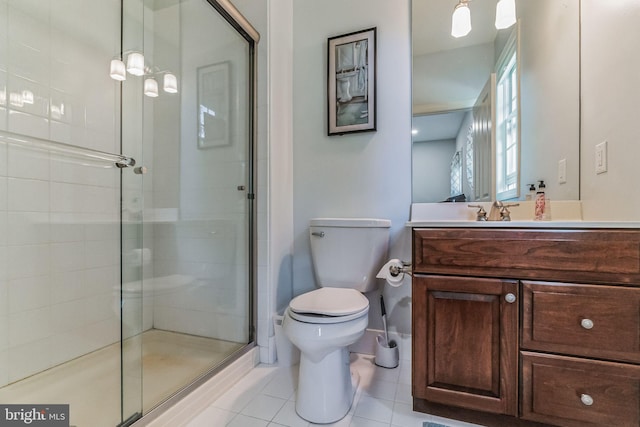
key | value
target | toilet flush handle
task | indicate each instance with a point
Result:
(318, 233)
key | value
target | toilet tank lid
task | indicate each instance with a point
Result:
(350, 222)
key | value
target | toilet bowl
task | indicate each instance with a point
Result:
(325, 382)
(322, 323)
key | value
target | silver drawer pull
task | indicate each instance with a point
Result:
(318, 233)
(586, 399)
(510, 298)
(586, 323)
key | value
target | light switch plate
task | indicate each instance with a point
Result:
(562, 171)
(601, 157)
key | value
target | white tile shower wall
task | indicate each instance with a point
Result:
(59, 238)
(198, 278)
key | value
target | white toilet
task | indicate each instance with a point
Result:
(346, 255)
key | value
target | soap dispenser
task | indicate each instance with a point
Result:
(542, 208)
(531, 195)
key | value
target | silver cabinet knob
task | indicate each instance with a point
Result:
(586, 399)
(510, 298)
(586, 323)
(140, 170)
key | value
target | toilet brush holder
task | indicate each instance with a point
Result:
(387, 355)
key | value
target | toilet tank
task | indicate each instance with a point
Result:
(348, 252)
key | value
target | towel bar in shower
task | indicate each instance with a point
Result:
(68, 150)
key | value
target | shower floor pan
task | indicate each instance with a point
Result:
(91, 383)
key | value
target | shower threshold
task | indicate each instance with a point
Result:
(91, 384)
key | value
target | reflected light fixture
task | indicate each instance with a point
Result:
(505, 14)
(151, 87)
(461, 19)
(118, 71)
(170, 83)
(135, 64)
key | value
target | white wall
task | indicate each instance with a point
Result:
(357, 175)
(431, 163)
(610, 108)
(550, 95)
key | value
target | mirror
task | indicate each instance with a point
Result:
(449, 76)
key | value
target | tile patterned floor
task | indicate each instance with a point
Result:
(266, 398)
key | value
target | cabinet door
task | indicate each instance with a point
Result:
(465, 342)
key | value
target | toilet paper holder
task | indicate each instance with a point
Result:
(396, 270)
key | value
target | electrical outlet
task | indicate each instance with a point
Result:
(562, 171)
(601, 157)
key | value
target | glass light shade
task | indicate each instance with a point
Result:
(151, 88)
(170, 84)
(135, 64)
(505, 14)
(461, 20)
(118, 71)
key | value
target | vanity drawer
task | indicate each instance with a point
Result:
(588, 256)
(583, 320)
(573, 392)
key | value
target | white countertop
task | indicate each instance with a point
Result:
(523, 224)
(564, 214)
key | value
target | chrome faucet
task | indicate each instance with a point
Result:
(496, 209)
(481, 215)
(499, 212)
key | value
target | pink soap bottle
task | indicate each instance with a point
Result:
(540, 203)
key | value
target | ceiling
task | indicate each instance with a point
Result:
(431, 25)
(437, 127)
(431, 33)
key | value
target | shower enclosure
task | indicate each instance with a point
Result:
(126, 201)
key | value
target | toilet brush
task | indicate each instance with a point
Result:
(387, 354)
(384, 321)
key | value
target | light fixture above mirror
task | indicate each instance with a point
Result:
(505, 14)
(118, 70)
(461, 18)
(170, 83)
(151, 87)
(136, 66)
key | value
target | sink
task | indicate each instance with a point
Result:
(561, 210)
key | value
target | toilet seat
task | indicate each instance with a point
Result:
(328, 305)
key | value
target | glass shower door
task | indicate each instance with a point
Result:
(60, 192)
(132, 132)
(188, 121)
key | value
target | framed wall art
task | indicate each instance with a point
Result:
(351, 82)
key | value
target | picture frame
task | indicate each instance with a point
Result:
(214, 105)
(351, 82)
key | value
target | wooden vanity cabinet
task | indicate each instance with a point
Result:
(468, 335)
(527, 327)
